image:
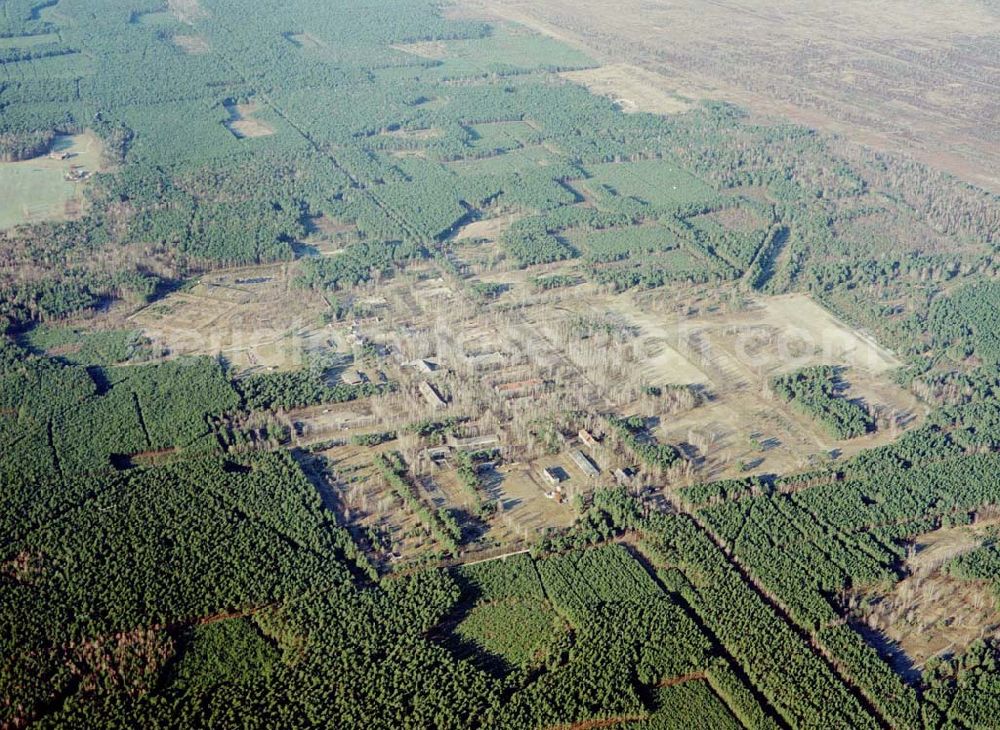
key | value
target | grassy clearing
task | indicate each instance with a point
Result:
(244, 125)
(193, 45)
(657, 182)
(634, 89)
(503, 135)
(305, 40)
(36, 190)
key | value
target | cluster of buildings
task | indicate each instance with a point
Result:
(555, 475)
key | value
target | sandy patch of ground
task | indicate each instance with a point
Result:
(187, 11)
(305, 40)
(434, 50)
(663, 363)
(632, 88)
(801, 316)
(243, 125)
(243, 315)
(487, 229)
(524, 508)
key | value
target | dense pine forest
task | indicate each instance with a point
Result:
(167, 556)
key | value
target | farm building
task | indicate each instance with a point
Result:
(623, 476)
(436, 454)
(352, 377)
(583, 461)
(423, 366)
(587, 439)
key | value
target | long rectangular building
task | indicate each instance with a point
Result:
(586, 465)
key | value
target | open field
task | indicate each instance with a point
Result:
(241, 315)
(660, 182)
(521, 159)
(799, 324)
(488, 229)
(37, 190)
(634, 89)
(898, 76)
(242, 123)
(434, 50)
(187, 11)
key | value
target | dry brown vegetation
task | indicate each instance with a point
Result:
(243, 124)
(187, 11)
(634, 89)
(899, 75)
(430, 49)
(242, 314)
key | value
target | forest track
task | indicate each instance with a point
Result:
(804, 635)
(640, 557)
